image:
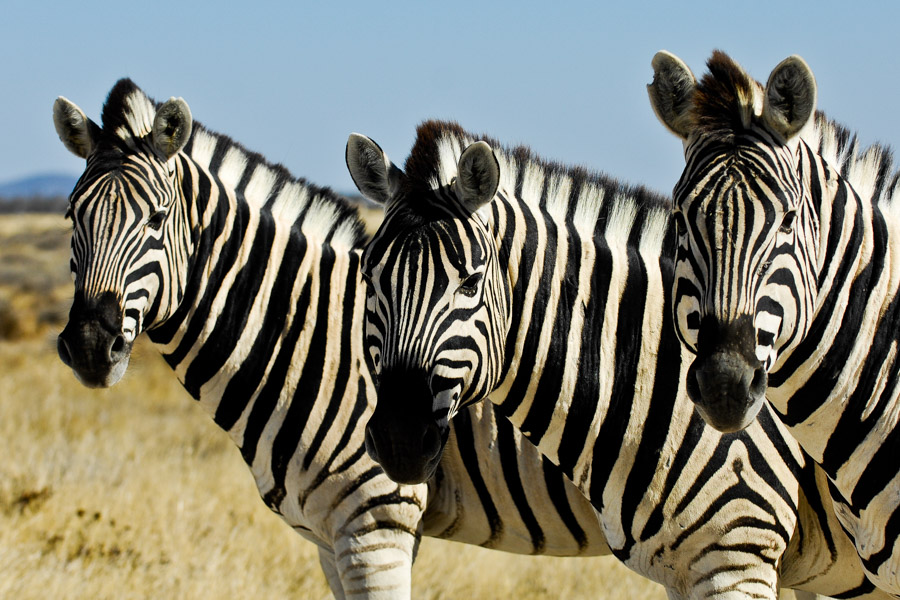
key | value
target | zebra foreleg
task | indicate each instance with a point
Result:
(329, 567)
(375, 565)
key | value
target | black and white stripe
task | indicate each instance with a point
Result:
(543, 289)
(247, 280)
(791, 229)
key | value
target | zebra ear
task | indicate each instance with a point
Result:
(172, 127)
(376, 177)
(477, 176)
(790, 97)
(77, 133)
(672, 93)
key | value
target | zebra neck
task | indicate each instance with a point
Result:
(840, 383)
(251, 332)
(588, 322)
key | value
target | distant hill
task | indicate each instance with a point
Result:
(45, 192)
(45, 185)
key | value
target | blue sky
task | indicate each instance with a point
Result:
(292, 80)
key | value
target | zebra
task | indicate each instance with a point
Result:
(497, 275)
(247, 281)
(786, 283)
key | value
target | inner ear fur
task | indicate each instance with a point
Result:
(790, 100)
(77, 133)
(375, 176)
(671, 92)
(478, 176)
(172, 127)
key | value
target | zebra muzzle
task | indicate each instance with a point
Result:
(92, 343)
(726, 382)
(727, 391)
(408, 449)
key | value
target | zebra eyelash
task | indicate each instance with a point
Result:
(156, 220)
(469, 286)
(787, 223)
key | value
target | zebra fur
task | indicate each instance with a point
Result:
(246, 280)
(568, 269)
(812, 274)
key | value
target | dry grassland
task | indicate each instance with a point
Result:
(133, 492)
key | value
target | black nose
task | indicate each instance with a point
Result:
(116, 349)
(726, 376)
(92, 343)
(726, 381)
(431, 441)
(371, 446)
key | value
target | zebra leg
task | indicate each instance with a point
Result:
(329, 567)
(782, 595)
(377, 564)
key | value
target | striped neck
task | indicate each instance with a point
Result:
(270, 254)
(589, 276)
(836, 386)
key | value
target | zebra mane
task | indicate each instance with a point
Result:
(318, 212)
(591, 202)
(870, 171)
(726, 99)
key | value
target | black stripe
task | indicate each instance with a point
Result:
(469, 454)
(242, 388)
(308, 387)
(231, 323)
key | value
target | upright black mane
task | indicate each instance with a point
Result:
(723, 99)
(423, 168)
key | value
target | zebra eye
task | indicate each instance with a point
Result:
(787, 223)
(156, 220)
(469, 287)
(680, 225)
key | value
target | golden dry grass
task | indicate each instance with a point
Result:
(133, 492)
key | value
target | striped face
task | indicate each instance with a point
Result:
(438, 305)
(745, 281)
(738, 255)
(741, 273)
(126, 269)
(130, 236)
(437, 314)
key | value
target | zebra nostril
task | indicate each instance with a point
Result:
(370, 446)
(62, 348)
(759, 383)
(117, 349)
(431, 440)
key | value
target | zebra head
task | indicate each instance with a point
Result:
(437, 311)
(128, 230)
(742, 291)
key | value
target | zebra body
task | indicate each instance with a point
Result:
(543, 289)
(788, 274)
(247, 281)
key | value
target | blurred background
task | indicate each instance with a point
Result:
(133, 492)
